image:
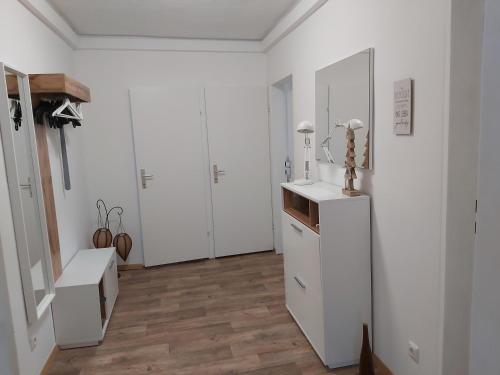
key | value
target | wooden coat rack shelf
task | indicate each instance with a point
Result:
(53, 85)
(50, 86)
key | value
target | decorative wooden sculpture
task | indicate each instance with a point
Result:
(350, 164)
(366, 152)
(366, 358)
(122, 241)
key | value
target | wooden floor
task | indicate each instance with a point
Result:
(224, 316)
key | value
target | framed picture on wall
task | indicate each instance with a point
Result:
(403, 107)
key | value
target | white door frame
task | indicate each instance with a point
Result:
(205, 161)
(232, 142)
(281, 142)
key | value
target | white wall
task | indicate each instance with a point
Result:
(410, 40)
(485, 327)
(29, 46)
(108, 140)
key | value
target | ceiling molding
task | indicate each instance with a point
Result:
(119, 43)
(53, 20)
(302, 11)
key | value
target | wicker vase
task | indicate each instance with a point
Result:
(102, 238)
(123, 244)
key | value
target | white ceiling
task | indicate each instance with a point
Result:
(203, 19)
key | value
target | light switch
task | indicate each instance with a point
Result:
(413, 351)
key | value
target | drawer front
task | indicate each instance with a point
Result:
(302, 252)
(303, 280)
(306, 307)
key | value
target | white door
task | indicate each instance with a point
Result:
(171, 152)
(238, 138)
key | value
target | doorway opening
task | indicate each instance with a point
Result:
(281, 135)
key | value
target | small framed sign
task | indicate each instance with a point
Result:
(403, 111)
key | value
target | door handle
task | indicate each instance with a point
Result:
(300, 282)
(27, 187)
(218, 172)
(145, 177)
(288, 170)
(298, 229)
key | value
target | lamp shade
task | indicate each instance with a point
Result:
(355, 124)
(305, 127)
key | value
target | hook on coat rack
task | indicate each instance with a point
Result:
(16, 113)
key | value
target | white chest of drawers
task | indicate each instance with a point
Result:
(85, 296)
(326, 241)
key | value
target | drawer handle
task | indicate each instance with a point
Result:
(111, 264)
(301, 284)
(296, 228)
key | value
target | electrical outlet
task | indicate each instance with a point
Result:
(413, 351)
(33, 342)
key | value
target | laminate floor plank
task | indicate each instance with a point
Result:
(211, 317)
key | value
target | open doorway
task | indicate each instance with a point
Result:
(281, 137)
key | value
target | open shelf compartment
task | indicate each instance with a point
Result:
(304, 210)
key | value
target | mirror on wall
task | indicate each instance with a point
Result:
(17, 132)
(344, 92)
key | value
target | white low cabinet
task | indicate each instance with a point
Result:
(327, 256)
(85, 296)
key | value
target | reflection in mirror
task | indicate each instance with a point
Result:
(23, 178)
(344, 93)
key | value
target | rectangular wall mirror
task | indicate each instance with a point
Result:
(344, 91)
(17, 131)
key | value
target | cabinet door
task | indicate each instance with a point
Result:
(302, 280)
(111, 285)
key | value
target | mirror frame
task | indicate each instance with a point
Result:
(371, 110)
(34, 311)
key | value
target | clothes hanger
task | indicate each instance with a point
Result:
(43, 114)
(74, 111)
(66, 104)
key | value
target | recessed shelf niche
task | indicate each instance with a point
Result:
(303, 209)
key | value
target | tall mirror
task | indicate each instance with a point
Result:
(17, 132)
(344, 92)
